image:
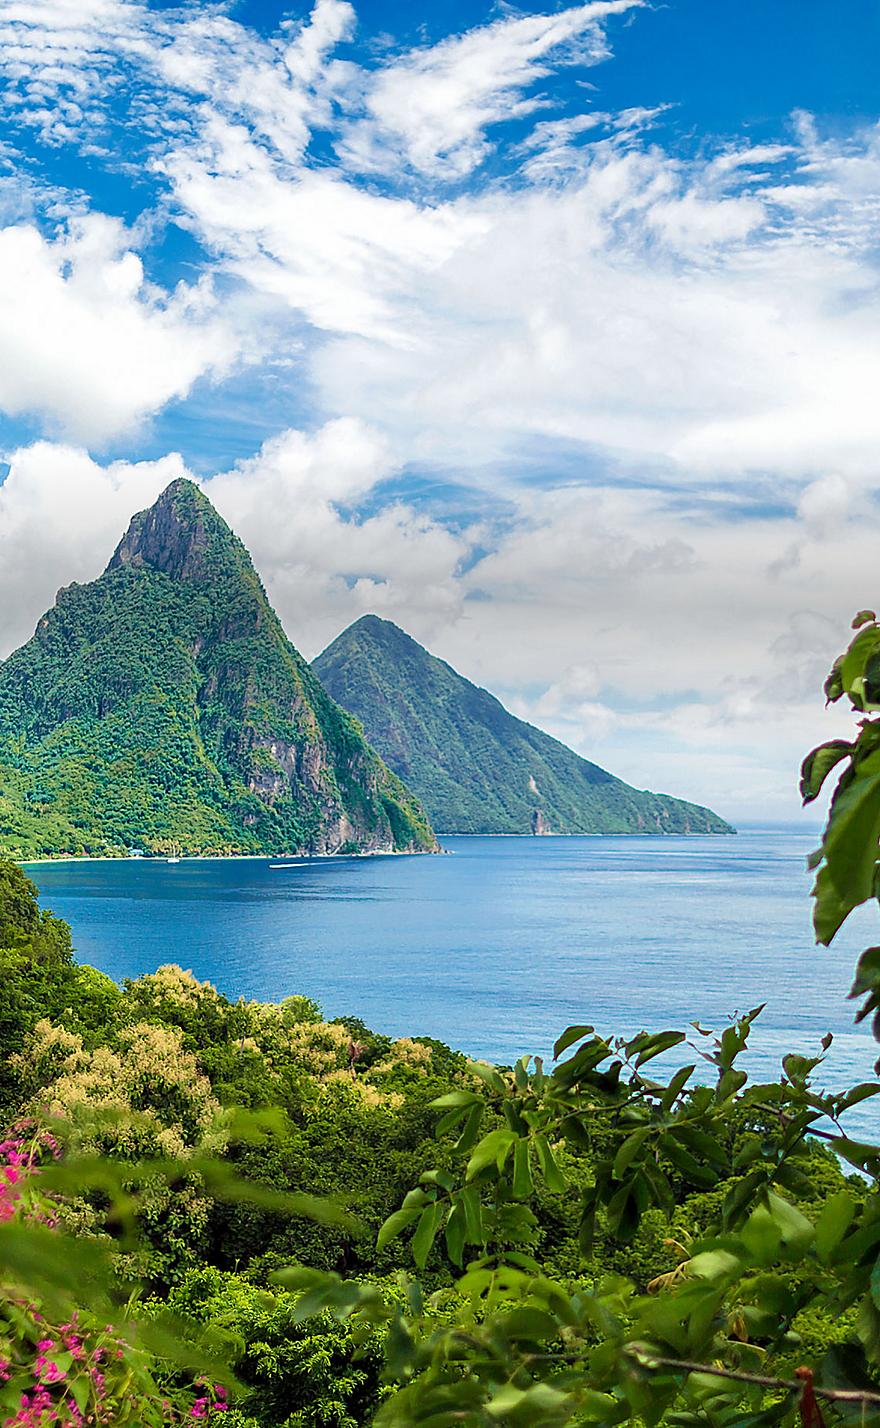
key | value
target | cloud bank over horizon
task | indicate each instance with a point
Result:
(587, 408)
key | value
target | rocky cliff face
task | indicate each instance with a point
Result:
(476, 767)
(173, 535)
(164, 702)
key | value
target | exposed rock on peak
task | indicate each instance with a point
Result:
(181, 534)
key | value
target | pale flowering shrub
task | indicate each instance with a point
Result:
(163, 1079)
(172, 985)
(319, 1048)
(413, 1055)
(143, 1099)
(266, 1031)
(364, 1092)
(49, 1052)
(145, 1096)
(175, 997)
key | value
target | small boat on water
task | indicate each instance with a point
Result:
(174, 855)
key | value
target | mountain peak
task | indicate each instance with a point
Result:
(474, 765)
(179, 534)
(163, 703)
(378, 628)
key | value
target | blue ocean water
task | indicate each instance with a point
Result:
(497, 947)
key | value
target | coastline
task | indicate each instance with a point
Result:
(225, 857)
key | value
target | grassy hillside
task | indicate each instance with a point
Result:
(477, 768)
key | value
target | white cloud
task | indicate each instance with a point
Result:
(59, 60)
(62, 63)
(554, 133)
(552, 150)
(638, 307)
(86, 342)
(634, 309)
(306, 55)
(824, 504)
(349, 260)
(324, 565)
(654, 638)
(715, 316)
(429, 110)
(61, 516)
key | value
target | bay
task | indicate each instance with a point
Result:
(498, 946)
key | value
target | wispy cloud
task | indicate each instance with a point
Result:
(429, 111)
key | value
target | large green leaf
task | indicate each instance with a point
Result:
(395, 1225)
(426, 1232)
(818, 764)
(850, 845)
(493, 1149)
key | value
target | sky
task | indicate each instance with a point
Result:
(551, 333)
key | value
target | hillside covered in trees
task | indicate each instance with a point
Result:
(245, 1138)
(475, 766)
(163, 704)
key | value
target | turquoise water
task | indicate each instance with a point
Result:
(497, 947)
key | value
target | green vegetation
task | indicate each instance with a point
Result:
(476, 768)
(163, 703)
(330, 1228)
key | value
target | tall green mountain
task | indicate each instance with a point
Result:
(477, 768)
(164, 703)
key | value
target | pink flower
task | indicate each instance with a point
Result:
(50, 1372)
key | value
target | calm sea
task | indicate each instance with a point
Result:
(498, 946)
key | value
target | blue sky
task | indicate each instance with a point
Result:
(549, 332)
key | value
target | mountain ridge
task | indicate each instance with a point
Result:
(163, 702)
(475, 766)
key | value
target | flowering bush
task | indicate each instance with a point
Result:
(61, 1363)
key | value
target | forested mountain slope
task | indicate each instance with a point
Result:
(476, 767)
(163, 703)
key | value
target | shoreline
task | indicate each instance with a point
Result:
(221, 857)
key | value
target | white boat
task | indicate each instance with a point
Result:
(174, 855)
